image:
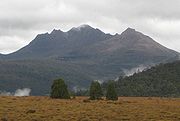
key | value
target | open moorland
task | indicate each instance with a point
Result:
(80, 109)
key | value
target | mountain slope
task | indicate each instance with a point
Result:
(130, 43)
(79, 55)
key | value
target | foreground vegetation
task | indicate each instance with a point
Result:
(81, 109)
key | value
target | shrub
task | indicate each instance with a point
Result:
(111, 92)
(95, 91)
(59, 90)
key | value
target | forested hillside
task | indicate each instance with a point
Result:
(162, 80)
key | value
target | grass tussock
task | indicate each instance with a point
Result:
(81, 109)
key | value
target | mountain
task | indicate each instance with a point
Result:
(59, 43)
(161, 80)
(85, 41)
(79, 55)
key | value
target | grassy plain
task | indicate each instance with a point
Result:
(80, 109)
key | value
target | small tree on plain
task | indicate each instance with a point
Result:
(59, 90)
(111, 92)
(95, 91)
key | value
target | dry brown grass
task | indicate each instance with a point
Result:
(125, 109)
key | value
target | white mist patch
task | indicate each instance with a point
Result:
(116, 79)
(18, 92)
(137, 69)
(100, 81)
(22, 92)
(77, 88)
(4, 93)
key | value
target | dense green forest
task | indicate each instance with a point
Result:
(161, 80)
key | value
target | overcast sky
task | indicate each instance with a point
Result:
(22, 20)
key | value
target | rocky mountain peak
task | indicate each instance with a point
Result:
(56, 31)
(129, 31)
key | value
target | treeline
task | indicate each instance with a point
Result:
(59, 90)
